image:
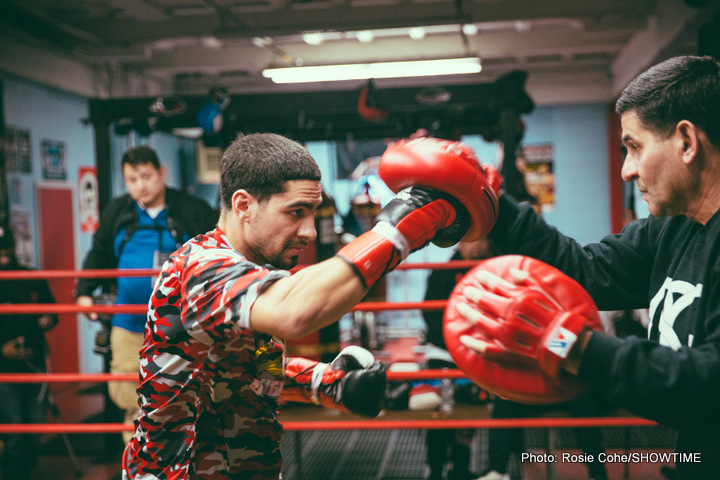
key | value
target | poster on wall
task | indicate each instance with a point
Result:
(17, 150)
(16, 193)
(208, 163)
(88, 195)
(53, 160)
(538, 164)
(20, 226)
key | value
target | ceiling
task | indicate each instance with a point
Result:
(192, 45)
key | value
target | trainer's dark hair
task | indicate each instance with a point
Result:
(140, 156)
(680, 88)
(261, 163)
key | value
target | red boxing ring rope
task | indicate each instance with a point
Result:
(555, 422)
(133, 377)
(29, 308)
(435, 423)
(148, 272)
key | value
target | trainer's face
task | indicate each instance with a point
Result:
(655, 164)
(280, 228)
(145, 183)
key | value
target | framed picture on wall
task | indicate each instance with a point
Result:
(20, 223)
(539, 164)
(17, 150)
(208, 163)
(15, 191)
(88, 199)
(53, 160)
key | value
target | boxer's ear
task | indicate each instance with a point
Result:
(241, 203)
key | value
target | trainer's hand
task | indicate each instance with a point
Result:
(15, 350)
(520, 320)
(354, 380)
(512, 325)
(87, 301)
(472, 295)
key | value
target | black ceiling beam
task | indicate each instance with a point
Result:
(328, 115)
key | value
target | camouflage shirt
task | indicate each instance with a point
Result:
(208, 384)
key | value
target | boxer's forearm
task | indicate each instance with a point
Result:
(310, 299)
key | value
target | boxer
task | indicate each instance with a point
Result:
(212, 362)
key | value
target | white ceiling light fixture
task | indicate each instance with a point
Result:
(262, 42)
(365, 36)
(313, 38)
(470, 29)
(365, 71)
(416, 33)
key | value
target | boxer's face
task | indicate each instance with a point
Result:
(280, 228)
(145, 184)
(655, 164)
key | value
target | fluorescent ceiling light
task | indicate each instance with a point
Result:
(470, 29)
(416, 33)
(365, 36)
(313, 38)
(364, 71)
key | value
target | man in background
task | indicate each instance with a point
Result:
(23, 350)
(138, 231)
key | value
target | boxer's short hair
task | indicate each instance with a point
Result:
(261, 164)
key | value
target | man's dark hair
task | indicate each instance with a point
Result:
(680, 88)
(261, 163)
(141, 155)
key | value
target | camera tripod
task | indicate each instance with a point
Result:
(55, 412)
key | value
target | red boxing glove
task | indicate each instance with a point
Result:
(451, 167)
(494, 178)
(354, 381)
(524, 316)
(408, 222)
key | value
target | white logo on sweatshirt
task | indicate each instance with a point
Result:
(671, 308)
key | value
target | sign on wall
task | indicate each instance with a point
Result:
(538, 164)
(53, 160)
(17, 150)
(88, 199)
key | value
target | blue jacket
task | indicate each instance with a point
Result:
(123, 236)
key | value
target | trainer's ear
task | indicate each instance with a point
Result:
(689, 135)
(241, 203)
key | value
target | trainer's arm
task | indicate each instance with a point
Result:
(310, 299)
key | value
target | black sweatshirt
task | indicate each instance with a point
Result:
(670, 265)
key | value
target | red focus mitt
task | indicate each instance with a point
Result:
(524, 317)
(450, 167)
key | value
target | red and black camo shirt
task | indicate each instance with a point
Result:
(208, 384)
